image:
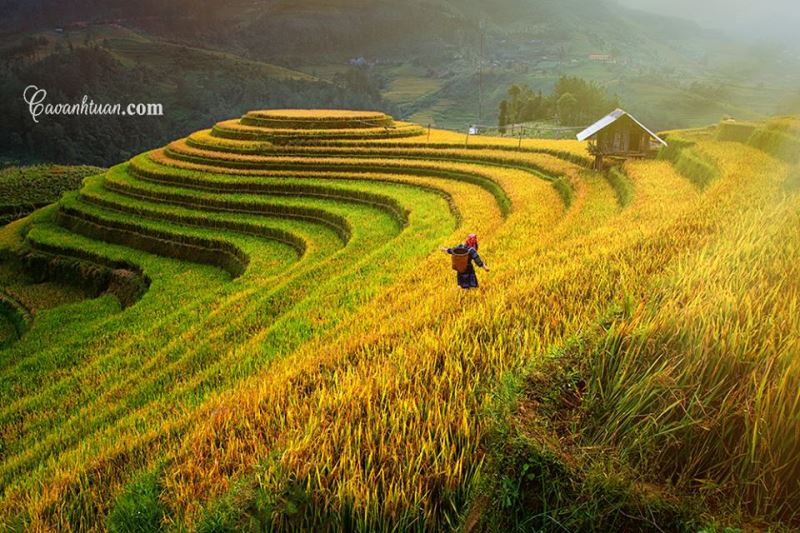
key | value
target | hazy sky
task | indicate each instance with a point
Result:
(766, 19)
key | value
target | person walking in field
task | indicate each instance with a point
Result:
(463, 257)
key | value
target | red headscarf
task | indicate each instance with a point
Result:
(472, 241)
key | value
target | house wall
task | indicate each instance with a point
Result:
(623, 136)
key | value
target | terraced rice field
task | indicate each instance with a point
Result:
(277, 343)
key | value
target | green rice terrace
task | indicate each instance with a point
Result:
(253, 328)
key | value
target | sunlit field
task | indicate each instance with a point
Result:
(273, 340)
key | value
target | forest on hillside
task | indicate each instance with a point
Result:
(191, 93)
(573, 102)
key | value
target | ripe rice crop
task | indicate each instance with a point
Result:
(735, 131)
(238, 129)
(301, 360)
(316, 119)
(779, 137)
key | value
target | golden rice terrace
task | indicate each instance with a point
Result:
(273, 341)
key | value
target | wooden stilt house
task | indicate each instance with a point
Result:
(619, 135)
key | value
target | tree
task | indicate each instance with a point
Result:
(502, 120)
(573, 102)
(531, 108)
(593, 101)
(567, 109)
(515, 91)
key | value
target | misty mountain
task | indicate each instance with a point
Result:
(425, 55)
(311, 30)
(768, 20)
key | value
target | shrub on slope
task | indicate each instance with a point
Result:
(23, 189)
(735, 131)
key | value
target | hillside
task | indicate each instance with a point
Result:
(670, 72)
(279, 344)
(112, 64)
(310, 29)
(425, 54)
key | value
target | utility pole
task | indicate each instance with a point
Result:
(482, 28)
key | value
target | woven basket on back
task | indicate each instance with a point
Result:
(460, 261)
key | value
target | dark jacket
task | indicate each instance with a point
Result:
(467, 279)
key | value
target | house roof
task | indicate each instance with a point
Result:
(610, 119)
